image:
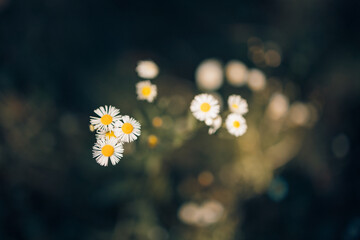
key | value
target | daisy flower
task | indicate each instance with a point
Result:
(237, 104)
(236, 124)
(146, 91)
(128, 129)
(147, 69)
(205, 106)
(107, 118)
(214, 124)
(105, 149)
(105, 135)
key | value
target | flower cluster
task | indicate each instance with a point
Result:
(112, 131)
(144, 89)
(205, 107)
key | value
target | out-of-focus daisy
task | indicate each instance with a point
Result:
(256, 80)
(236, 73)
(128, 129)
(105, 149)
(299, 114)
(146, 91)
(236, 124)
(204, 106)
(147, 69)
(214, 124)
(105, 134)
(107, 118)
(237, 104)
(209, 75)
(278, 106)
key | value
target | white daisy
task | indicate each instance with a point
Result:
(214, 124)
(146, 91)
(147, 69)
(236, 124)
(237, 104)
(105, 149)
(105, 135)
(128, 129)
(107, 118)
(205, 106)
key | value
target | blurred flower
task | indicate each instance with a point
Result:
(237, 104)
(105, 149)
(204, 106)
(236, 73)
(236, 124)
(256, 80)
(128, 129)
(147, 69)
(299, 114)
(278, 189)
(209, 213)
(214, 124)
(146, 91)
(152, 141)
(278, 106)
(272, 58)
(209, 75)
(107, 118)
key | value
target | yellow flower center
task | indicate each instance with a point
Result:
(236, 124)
(205, 107)
(146, 91)
(106, 119)
(235, 106)
(107, 150)
(152, 141)
(127, 128)
(110, 134)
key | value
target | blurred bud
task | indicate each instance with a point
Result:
(152, 141)
(205, 178)
(157, 122)
(236, 73)
(91, 128)
(256, 80)
(209, 75)
(147, 69)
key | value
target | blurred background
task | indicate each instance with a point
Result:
(288, 177)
